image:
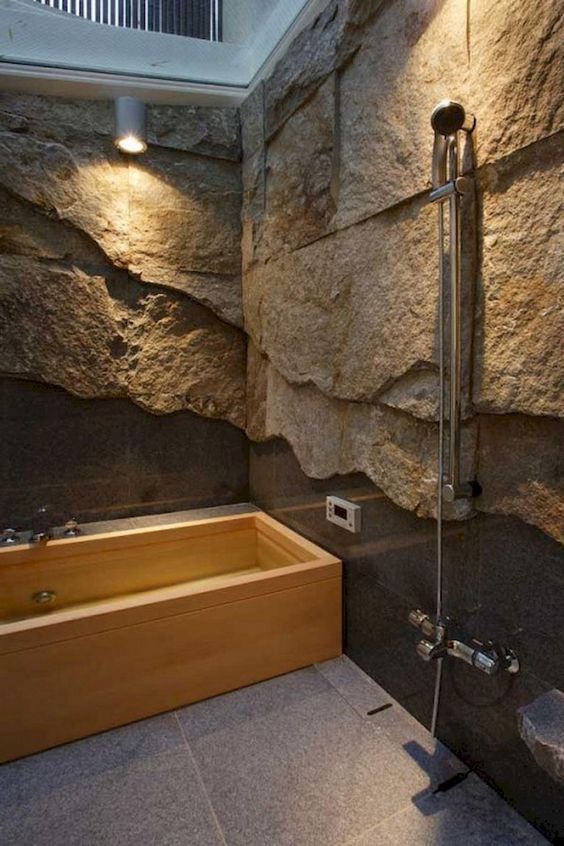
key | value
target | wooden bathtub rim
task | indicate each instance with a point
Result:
(96, 573)
(144, 606)
(125, 538)
(104, 541)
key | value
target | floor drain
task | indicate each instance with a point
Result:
(381, 708)
(451, 782)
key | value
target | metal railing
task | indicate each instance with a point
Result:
(194, 18)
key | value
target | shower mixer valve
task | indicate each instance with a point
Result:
(490, 658)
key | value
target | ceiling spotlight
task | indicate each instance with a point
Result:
(130, 125)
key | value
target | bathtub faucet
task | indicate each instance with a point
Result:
(41, 531)
(489, 658)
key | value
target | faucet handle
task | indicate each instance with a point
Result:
(417, 618)
(429, 651)
(424, 623)
(506, 658)
(71, 529)
(9, 536)
(41, 531)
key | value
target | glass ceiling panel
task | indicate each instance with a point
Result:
(204, 41)
(195, 18)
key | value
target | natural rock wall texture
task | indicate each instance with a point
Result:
(72, 329)
(300, 306)
(334, 437)
(521, 463)
(120, 277)
(519, 359)
(171, 217)
(541, 725)
(340, 252)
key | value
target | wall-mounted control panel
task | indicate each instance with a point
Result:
(343, 513)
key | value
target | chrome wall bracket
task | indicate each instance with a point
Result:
(464, 490)
(461, 185)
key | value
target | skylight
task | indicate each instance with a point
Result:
(164, 45)
(192, 18)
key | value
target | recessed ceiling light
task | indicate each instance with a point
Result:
(131, 144)
(130, 125)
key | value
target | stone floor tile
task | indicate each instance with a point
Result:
(294, 761)
(360, 691)
(471, 814)
(135, 785)
(403, 730)
(289, 762)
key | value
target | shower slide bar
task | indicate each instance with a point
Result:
(448, 120)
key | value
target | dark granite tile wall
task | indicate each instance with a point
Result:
(101, 459)
(521, 602)
(389, 567)
(503, 580)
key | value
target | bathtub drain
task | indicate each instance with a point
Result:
(43, 597)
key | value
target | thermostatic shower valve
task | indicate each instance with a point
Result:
(490, 658)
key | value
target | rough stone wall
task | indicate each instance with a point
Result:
(120, 276)
(340, 258)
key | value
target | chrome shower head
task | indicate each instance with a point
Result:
(448, 117)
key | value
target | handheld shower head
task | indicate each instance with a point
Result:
(448, 117)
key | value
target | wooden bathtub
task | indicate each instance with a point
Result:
(148, 620)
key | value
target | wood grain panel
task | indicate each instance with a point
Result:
(65, 690)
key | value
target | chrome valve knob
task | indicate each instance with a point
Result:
(71, 529)
(423, 622)
(429, 651)
(9, 536)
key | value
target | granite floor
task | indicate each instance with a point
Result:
(319, 757)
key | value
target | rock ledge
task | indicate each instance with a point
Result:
(541, 725)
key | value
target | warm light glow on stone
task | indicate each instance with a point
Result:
(131, 144)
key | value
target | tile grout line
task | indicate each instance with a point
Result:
(378, 730)
(374, 828)
(201, 781)
(400, 709)
(355, 710)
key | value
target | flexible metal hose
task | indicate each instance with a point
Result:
(440, 463)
